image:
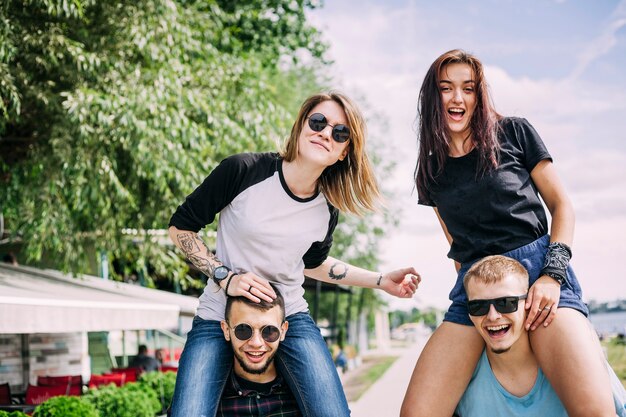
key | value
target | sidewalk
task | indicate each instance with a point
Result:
(385, 396)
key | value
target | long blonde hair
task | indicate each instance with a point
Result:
(350, 184)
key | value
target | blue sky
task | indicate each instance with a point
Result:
(560, 64)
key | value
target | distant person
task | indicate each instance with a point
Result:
(341, 360)
(508, 380)
(254, 387)
(164, 359)
(277, 215)
(159, 356)
(487, 178)
(144, 361)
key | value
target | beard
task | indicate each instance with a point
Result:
(501, 350)
(254, 371)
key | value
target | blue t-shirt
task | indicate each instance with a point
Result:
(485, 396)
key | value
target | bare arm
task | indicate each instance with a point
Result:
(546, 292)
(553, 193)
(244, 284)
(400, 283)
(195, 250)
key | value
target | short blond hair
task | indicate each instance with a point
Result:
(350, 184)
(493, 269)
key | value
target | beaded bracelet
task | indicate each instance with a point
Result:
(228, 284)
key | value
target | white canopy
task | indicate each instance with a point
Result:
(46, 301)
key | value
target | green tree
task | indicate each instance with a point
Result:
(113, 111)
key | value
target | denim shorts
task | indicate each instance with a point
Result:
(532, 257)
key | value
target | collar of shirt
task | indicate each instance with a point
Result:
(276, 384)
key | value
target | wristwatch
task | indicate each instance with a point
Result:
(220, 273)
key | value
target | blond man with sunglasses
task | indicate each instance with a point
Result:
(508, 380)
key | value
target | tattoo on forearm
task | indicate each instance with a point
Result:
(202, 264)
(190, 245)
(338, 271)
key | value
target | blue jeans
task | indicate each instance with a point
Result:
(532, 257)
(303, 360)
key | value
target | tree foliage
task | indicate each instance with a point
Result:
(112, 112)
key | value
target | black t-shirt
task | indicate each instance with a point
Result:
(499, 211)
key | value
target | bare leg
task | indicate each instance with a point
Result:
(570, 356)
(443, 371)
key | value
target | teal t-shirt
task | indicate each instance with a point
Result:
(485, 396)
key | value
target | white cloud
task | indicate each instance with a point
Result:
(602, 44)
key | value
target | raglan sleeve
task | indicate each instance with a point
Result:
(318, 252)
(209, 198)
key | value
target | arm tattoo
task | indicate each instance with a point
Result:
(190, 245)
(342, 271)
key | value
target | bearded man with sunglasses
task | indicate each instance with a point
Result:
(255, 331)
(507, 380)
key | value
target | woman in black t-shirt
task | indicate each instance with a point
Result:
(483, 175)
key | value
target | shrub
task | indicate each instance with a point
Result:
(131, 400)
(12, 414)
(162, 383)
(66, 407)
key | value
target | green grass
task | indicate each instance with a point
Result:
(616, 354)
(360, 379)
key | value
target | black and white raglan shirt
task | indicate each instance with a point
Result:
(263, 227)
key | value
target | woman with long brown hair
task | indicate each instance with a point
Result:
(277, 217)
(485, 176)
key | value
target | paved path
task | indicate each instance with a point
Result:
(384, 397)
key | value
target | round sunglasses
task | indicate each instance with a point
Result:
(502, 305)
(244, 331)
(318, 122)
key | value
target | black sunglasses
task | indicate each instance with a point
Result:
(503, 305)
(269, 333)
(318, 122)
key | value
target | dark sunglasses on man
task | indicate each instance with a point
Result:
(502, 305)
(244, 331)
(318, 122)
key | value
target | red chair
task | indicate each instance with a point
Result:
(131, 373)
(168, 368)
(106, 379)
(37, 395)
(65, 380)
(5, 394)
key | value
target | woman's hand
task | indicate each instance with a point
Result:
(401, 283)
(542, 302)
(251, 286)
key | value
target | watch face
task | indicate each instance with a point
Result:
(220, 273)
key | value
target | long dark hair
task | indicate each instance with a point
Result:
(433, 139)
